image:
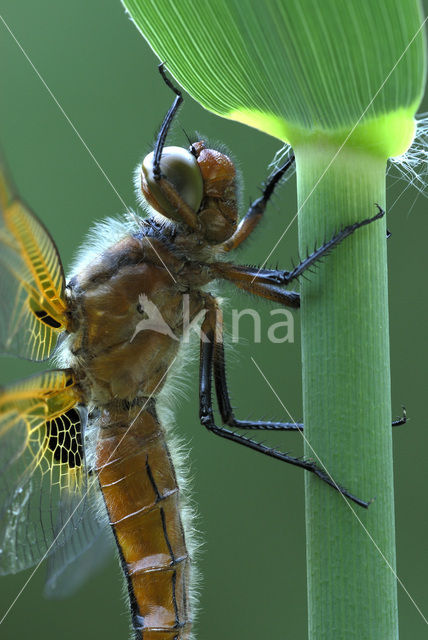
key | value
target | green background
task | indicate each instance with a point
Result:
(250, 508)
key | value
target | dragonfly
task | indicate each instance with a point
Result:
(85, 461)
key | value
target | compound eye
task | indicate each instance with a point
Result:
(181, 169)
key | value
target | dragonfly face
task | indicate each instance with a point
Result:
(206, 181)
(83, 453)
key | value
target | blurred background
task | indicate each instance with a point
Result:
(251, 509)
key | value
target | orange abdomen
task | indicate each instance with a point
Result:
(140, 491)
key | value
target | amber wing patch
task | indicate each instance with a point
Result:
(33, 308)
(42, 467)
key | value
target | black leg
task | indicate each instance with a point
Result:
(267, 282)
(207, 416)
(257, 208)
(272, 182)
(223, 398)
(286, 277)
(225, 406)
(182, 210)
(274, 277)
(160, 143)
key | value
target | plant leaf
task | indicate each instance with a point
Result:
(296, 65)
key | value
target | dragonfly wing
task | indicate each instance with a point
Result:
(92, 544)
(43, 480)
(33, 310)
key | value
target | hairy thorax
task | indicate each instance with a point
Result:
(130, 307)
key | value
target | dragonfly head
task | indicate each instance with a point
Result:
(205, 180)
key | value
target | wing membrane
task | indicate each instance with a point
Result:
(43, 483)
(92, 543)
(33, 309)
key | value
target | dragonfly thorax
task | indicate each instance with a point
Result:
(128, 318)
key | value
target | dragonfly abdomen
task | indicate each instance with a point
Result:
(141, 494)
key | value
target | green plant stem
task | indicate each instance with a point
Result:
(347, 404)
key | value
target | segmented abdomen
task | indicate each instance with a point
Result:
(140, 491)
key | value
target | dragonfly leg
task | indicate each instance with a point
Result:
(160, 142)
(257, 208)
(285, 277)
(225, 406)
(184, 212)
(267, 282)
(288, 276)
(223, 397)
(206, 413)
(259, 283)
